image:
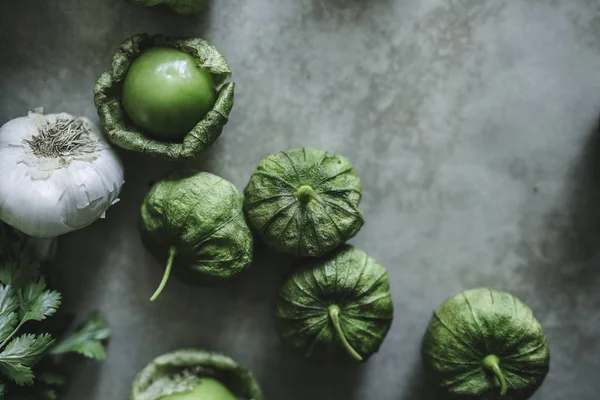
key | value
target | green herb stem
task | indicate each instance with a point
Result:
(334, 314)
(492, 364)
(14, 332)
(167, 274)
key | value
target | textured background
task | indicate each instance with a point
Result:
(471, 122)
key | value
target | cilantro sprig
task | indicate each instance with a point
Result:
(27, 360)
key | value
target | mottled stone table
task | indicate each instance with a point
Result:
(471, 122)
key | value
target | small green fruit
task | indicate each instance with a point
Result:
(485, 344)
(207, 389)
(166, 94)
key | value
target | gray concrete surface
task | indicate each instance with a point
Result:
(471, 122)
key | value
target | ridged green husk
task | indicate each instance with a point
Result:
(304, 229)
(349, 279)
(184, 7)
(122, 132)
(481, 322)
(200, 214)
(174, 373)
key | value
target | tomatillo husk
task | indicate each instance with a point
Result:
(119, 127)
(180, 371)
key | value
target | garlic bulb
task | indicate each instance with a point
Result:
(57, 174)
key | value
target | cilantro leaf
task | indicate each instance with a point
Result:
(8, 316)
(28, 347)
(37, 303)
(27, 369)
(87, 339)
(91, 349)
(21, 374)
(20, 354)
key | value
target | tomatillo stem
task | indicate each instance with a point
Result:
(306, 193)
(167, 274)
(492, 364)
(334, 314)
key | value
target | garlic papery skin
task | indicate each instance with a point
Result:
(57, 174)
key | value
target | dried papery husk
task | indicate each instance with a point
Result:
(485, 344)
(304, 201)
(122, 132)
(338, 308)
(193, 222)
(178, 372)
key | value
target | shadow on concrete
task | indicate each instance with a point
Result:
(418, 386)
(566, 260)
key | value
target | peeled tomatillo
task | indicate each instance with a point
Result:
(166, 94)
(207, 389)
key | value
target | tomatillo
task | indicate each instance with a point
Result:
(192, 374)
(206, 389)
(166, 94)
(163, 110)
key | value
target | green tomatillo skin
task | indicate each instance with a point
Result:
(485, 344)
(194, 223)
(124, 132)
(192, 374)
(335, 309)
(166, 94)
(205, 389)
(304, 201)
